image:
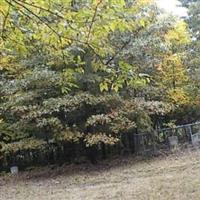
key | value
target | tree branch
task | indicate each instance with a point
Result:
(118, 52)
(46, 23)
(5, 20)
(41, 8)
(99, 57)
(122, 47)
(93, 20)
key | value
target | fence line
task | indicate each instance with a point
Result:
(144, 143)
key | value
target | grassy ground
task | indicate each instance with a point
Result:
(165, 178)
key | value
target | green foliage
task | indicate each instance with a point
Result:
(23, 145)
(89, 71)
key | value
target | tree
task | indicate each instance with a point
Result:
(187, 3)
(70, 51)
(172, 72)
(192, 50)
(75, 71)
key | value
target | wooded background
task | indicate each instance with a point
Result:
(85, 74)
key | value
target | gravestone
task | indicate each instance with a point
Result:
(14, 170)
(195, 139)
(173, 141)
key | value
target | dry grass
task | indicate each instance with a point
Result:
(174, 177)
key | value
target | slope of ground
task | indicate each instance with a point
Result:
(173, 177)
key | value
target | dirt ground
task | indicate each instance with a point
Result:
(174, 177)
